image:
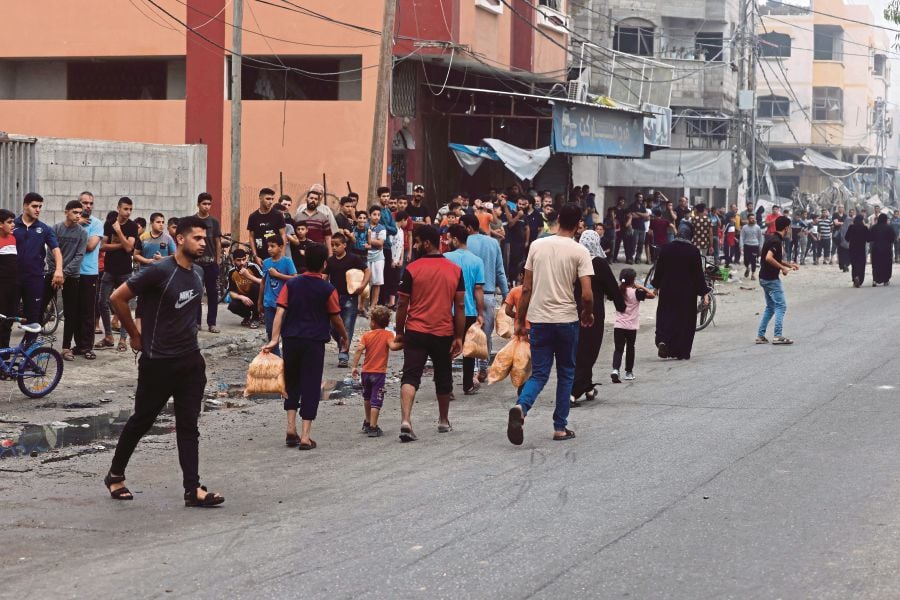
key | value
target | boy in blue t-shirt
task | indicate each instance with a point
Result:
(277, 269)
(156, 243)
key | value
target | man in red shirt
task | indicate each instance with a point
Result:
(431, 318)
(770, 219)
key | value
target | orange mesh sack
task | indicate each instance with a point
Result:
(475, 344)
(502, 362)
(504, 324)
(265, 375)
(521, 366)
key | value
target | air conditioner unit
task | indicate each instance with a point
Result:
(577, 90)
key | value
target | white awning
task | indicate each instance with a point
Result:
(815, 159)
(667, 169)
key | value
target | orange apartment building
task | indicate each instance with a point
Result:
(158, 71)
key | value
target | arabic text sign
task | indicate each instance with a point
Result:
(595, 131)
(658, 128)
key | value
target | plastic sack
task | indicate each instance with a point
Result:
(521, 365)
(503, 362)
(475, 343)
(504, 324)
(265, 375)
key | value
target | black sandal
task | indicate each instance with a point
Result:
(119, 494)
(568, 435)
(210, 499)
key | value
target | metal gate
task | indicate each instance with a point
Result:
(17, 171)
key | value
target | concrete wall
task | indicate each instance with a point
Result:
(157, 177)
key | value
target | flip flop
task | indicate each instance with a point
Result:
(514, 429)
(568, 436)
(406, 434)
(309, 446)
(445, 428)
(291, 440)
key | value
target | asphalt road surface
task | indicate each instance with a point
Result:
(747, 472)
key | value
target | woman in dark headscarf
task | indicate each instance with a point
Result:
(857, 236)
(679, 281)
(881, 245)
(603, 285)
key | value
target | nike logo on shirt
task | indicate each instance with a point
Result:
(185, 297)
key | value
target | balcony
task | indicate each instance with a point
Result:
(701, 84)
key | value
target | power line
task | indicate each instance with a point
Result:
(275, 66)
(265, 36)
(599, 67)
(839, 18)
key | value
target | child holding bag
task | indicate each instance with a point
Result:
(627, 324)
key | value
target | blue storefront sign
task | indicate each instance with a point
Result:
(586, 130)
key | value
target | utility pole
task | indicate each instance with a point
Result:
(236, 50)
(740, 46)
(382, 95)
(751, 84)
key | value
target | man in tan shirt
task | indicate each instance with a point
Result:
(553, 266)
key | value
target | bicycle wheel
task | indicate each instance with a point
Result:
(649, 276)
(706, 313)
(40, 372)
(51, 319)
(222, 287)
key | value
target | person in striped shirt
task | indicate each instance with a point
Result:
(823, 248)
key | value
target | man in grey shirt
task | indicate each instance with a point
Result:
(72, 239)
(751, 241)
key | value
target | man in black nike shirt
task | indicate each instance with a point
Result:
(170, 366)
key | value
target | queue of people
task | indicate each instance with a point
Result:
(545, 262)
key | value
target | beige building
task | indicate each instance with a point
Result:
(822, 79)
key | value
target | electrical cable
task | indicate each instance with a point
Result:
(250, 58)
(270, 37)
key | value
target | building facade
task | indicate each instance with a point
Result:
(159, 72)
(823, 78)
(691, 52)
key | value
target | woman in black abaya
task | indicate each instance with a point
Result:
(857, 237)
(678, 281)
(603, 285)
(881, 245)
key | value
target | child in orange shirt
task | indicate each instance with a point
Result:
(377, 344)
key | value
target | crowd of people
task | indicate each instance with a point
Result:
(309, 272)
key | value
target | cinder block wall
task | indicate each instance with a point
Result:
(157, 177)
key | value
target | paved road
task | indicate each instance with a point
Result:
(749, 472)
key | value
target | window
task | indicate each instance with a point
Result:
(494, 6)
(710, 46)
(773, 107)
(774, 45)
(879, 64)
(706, 132)
(312, 78)
(828, 42)
(554, 4)
(116, 80)
(634, 40)
(828, 104)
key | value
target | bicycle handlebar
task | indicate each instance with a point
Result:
(23, 325)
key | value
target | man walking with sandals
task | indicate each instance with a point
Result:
(170, 365)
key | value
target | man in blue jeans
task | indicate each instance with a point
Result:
(773, 265)
(336, 269)
(553, 266)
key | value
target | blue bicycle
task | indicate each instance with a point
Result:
(34, 364)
